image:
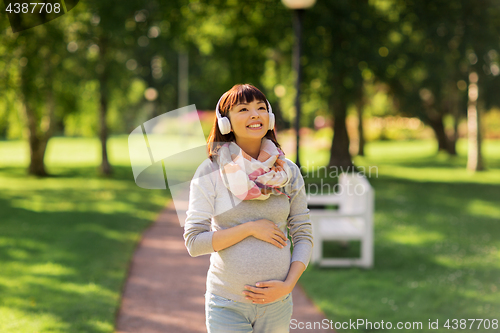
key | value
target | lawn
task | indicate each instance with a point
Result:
(66, 241)
(437, 242)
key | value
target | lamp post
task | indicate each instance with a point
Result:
(298, 7)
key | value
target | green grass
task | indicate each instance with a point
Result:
(66, 240)
(437, 241)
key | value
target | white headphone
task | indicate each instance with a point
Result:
(225, 125)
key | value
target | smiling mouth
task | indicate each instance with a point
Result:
(255, 126)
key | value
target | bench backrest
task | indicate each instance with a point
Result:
(354, 190)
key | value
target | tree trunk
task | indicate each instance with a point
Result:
(456, 105)
(339, 151)
(444, 142)
(37, 145)
(37, 154)
(103, 133)
(456, 122)
(298, 15)
(183, 84)
(39, 130)
(474, 156)
(103, 109)
(361, 134)
(281, 124)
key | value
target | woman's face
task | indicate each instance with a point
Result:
(249, 121)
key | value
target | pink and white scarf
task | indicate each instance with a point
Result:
(253, 179)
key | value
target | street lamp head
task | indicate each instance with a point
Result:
(298, 4)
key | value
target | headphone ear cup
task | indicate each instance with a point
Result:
(271, 121)
(224, 125)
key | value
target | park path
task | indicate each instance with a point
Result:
(164, 291)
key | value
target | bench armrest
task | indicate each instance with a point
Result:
(324, 199)
(333, 213)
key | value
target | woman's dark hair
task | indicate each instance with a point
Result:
(239, 93)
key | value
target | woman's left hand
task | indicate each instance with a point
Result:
(267, 291)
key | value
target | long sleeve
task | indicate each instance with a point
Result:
(197, 229)
(299, 221)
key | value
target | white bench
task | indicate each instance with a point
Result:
(353, 220)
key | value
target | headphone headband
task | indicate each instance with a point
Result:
(217, 107)
(220, 99)
(225, 125)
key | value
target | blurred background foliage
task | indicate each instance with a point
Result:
(402, 76)
(402, 66)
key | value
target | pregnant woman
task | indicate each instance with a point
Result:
(243, 200)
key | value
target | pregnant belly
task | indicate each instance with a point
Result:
(254, 258)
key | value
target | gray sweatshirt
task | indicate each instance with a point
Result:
(213, 207)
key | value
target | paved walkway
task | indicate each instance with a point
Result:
(165, 288)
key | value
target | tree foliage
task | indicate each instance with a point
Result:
(86, 72)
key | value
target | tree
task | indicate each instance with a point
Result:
(482, 27)
(344, 38)
(107, 35)
(419, 65)
(427, 66)
(36, 78)
(361, 101)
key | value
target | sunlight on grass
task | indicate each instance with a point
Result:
(108, 233)
(412, 235)
(14, 153)
(61, 183)
(93, 195)
(78, 152)
(13, 320)
(483, 208)
(51, 268)
(437, 249)
(440, 174)
(42, 203)
(66, 240)
(396, 150)
(100, 326)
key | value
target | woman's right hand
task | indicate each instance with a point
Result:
(268, 232)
